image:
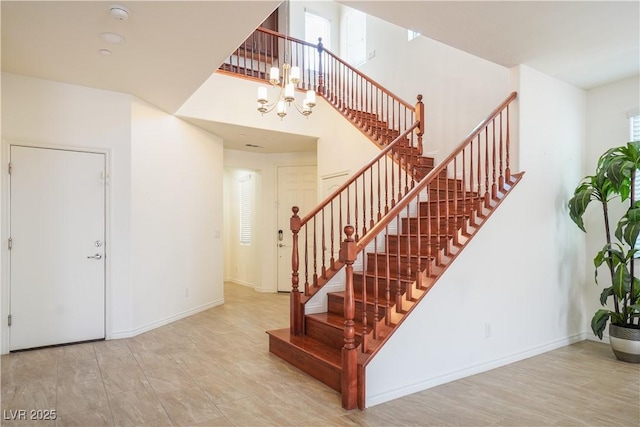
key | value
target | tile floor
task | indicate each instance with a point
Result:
(214, 369)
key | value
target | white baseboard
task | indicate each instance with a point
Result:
(242, 283)
(165, 321)
(471, 370)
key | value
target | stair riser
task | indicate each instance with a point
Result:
(410, 226)
(405, 266)
(325, 333)
(428, 245)
(336, 305)
(382, 286)
(457, 207)
(317, 368)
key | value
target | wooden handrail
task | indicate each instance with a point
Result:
(432, 175)
(370, 80)
(358, 174)
(283, 36)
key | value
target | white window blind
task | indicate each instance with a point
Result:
(412, 35)
(246, 209)
(634, 127)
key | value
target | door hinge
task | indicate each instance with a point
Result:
(10, 168)
(10, 320)
(10, 243)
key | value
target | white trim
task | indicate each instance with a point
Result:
(472, 370)
(592, 337)
(165, 321)
(243, 283)
(5, 227)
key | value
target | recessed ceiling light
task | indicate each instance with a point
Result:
(105, 52)
(242, 135)
(112, 38)
(253, 146)
(119, 12)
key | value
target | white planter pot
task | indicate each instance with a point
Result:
(625, 343)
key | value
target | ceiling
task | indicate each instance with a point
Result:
(172, 47)
(584, 43)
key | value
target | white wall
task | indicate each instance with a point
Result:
(56, 114)
(263, 273)
(176, 217)
(341, 147)
(459, 89)
(607, 127)
(327, 9)
(521, 277)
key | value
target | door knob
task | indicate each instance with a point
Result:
(96, 256)
(280, 245)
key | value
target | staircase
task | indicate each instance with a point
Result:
(404, 221)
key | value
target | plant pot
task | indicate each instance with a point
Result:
(625, 343)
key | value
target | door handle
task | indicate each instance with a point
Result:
(96, 256)
(280, 245)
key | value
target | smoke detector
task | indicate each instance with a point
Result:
(119, 12)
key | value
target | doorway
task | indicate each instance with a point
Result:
(57, 230)
(297, 186)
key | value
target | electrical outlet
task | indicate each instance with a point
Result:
(487, 330)
(371, 54)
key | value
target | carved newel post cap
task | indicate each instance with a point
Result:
(349, 230)
(420, 98)
(295, 210)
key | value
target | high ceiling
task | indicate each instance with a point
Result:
(172, 47)
(585, 43)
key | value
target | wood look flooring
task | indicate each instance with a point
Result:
(214, 369)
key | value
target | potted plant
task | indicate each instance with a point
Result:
(614, 179)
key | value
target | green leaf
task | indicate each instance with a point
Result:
(599, 322)
(619, 172)
(635, 307)
(621, 281)
(578, 205)
(617, 318)
(606, 293)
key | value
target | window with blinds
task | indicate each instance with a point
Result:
(634, 127)
(246, 209)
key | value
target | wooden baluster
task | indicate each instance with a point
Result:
(447, 211)
(379, 193)
(419, 112)
(315, 253)
(340, 215)
(296, 309)
(349, 352)
(458, 217)
(507, 172)
(486, 166)
(479, 170)
(465, 203)
(333, 260)
(348, 206)
(387, 281)
(494, 185)
(419, 244)
(376, 310)
(399, 269)
(472, 214)
(320, 72)
(393, 183)
(371, 221)
(324, 248)
(501, 178)
(355, 207)
(409, 270)
(364, 204)
(431, 242)
(386, 184)
(364, 300)
(306, 259)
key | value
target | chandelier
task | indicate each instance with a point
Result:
(286, 85)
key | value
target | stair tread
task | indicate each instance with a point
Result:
(330, 355)
(335, 320)
(357, 298)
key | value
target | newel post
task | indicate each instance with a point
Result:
(296, 310)
(320, 71)
(349, 353)
(420, 118)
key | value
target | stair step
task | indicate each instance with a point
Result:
(358, 279)
(457, 205)
(336, 305)
(427, 243)
(313, 357)
(446, 226)
(328, 328)
(406, 262)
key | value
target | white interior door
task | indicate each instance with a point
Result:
(297, 186)
(57, 258)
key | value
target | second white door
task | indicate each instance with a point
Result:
(297, 186)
